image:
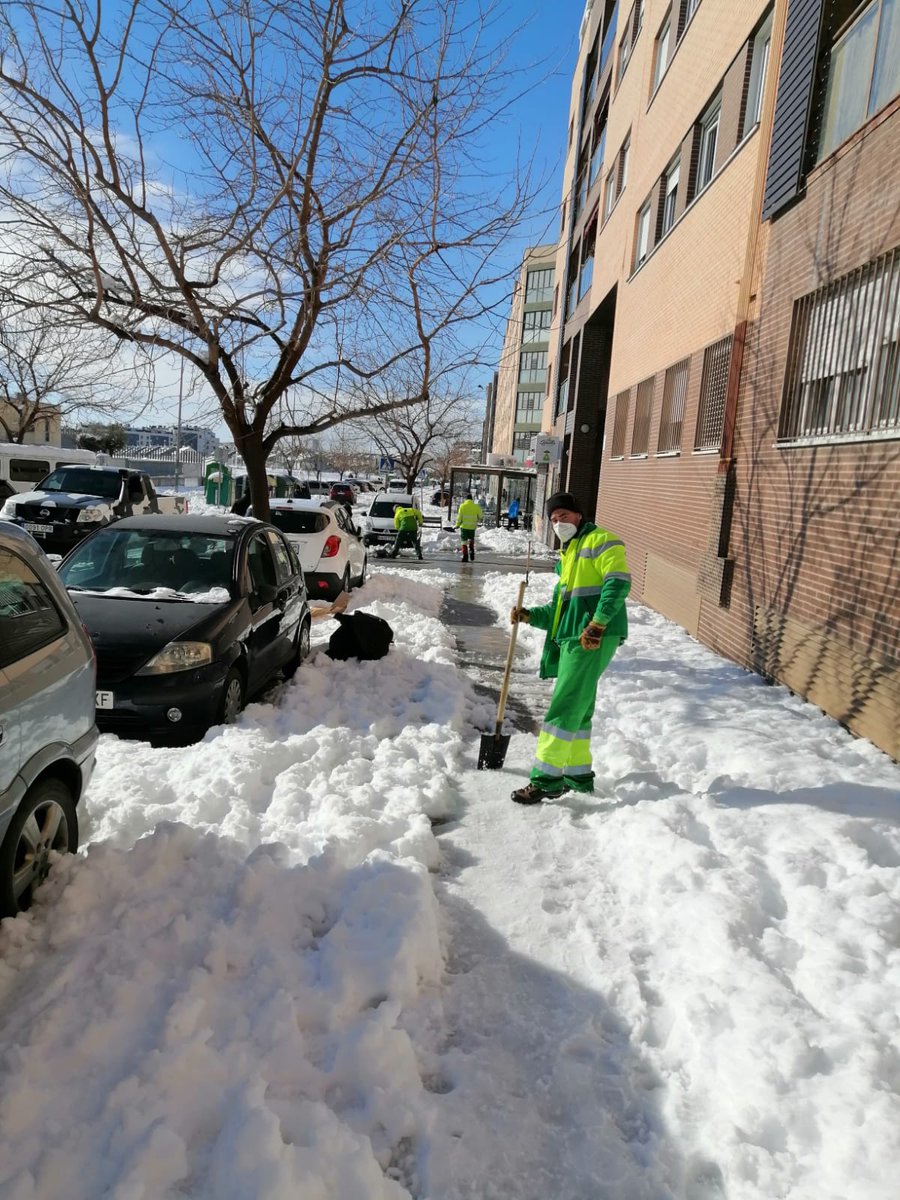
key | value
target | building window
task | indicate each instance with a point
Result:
(843, 370)
(642, 236)
(759, 68)
(709, 136)
(539, 286)
(674, 396)
(617, 178)
(533, 367)
(609, 199)
(661, 51)
(522, 444)
(621, 425)
(623, 164)
(688, 8)
(863, 72)
(713, 389)
(643, 408)
(536, 326)
(624, 49)
(670, 197)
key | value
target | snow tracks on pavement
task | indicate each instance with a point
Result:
(731, 899)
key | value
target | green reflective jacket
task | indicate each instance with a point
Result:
(468, 515)
(408, 519)
(594, 581)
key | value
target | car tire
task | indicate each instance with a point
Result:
(45, 820)
(360, 582)
(301, 652)
(233, 696)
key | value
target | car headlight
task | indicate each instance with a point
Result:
(178, 656)
(88, 516)
(8, 511)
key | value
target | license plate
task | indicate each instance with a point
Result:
(38, 528)
(105, 700)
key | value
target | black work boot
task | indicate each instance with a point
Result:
(533, 793)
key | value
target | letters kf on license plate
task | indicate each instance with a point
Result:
(105, 700)
(32, 528)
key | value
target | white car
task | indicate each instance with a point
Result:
(327, 541)
(378, 522)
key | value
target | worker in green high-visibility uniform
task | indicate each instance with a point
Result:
(467, 517)
(585, 623)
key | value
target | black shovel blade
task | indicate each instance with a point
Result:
(492, 751)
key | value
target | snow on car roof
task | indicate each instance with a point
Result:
(307, 505)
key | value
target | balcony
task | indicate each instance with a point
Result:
(581, 191)
(586, 277)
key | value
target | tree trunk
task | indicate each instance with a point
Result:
(254, 457)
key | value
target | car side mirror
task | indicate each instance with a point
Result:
(266, 594)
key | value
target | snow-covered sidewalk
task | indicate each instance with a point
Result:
(271, 977)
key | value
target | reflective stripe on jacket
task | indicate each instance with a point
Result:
(468, 515)
(594, 581)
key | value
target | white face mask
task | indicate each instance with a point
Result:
(564, 530)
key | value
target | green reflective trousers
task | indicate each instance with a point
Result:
(563, 756)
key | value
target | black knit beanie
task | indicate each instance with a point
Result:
(563, 500)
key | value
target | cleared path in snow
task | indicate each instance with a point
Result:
(689, 984)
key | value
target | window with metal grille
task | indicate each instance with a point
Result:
(843, 370)
(643, 407)
(713, 386)
(621, 425)
(674, 394)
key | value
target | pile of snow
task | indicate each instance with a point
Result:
(214, 1001)
(512, 543)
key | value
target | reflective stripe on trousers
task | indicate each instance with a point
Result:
(563, 753)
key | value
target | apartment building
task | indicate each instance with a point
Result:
(520, 383)
(725, 373)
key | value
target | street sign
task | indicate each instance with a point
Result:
(385, 464)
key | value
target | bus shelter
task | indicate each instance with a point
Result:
(495, 488)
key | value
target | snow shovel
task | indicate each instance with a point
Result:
(492, 751)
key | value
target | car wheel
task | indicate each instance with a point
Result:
(290, 668)
(362, 574)
(45, 821)
(232, 697)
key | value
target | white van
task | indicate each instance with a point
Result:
(21, 467)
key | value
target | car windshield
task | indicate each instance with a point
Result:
(384, 508)
(168, 565)
(83, 481)
(298, 520)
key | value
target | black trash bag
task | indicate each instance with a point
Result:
(361, 635)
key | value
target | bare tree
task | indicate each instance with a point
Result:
(50, 371)
(328, 217)
(345, 451)
(418, 435)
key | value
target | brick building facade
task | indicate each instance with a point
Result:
(720, 271)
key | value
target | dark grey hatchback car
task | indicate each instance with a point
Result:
(189, 616)
(47, 731)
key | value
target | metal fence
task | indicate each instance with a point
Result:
(713, 390)
(674, 396)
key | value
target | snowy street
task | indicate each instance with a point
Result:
(319, 955)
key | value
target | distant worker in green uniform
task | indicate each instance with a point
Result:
(408, 522)
(585, 623)
(467, 517)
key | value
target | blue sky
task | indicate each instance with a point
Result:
(543, 48)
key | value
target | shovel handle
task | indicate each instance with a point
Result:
(504, 691)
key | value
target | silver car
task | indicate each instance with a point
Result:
(48, 736)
